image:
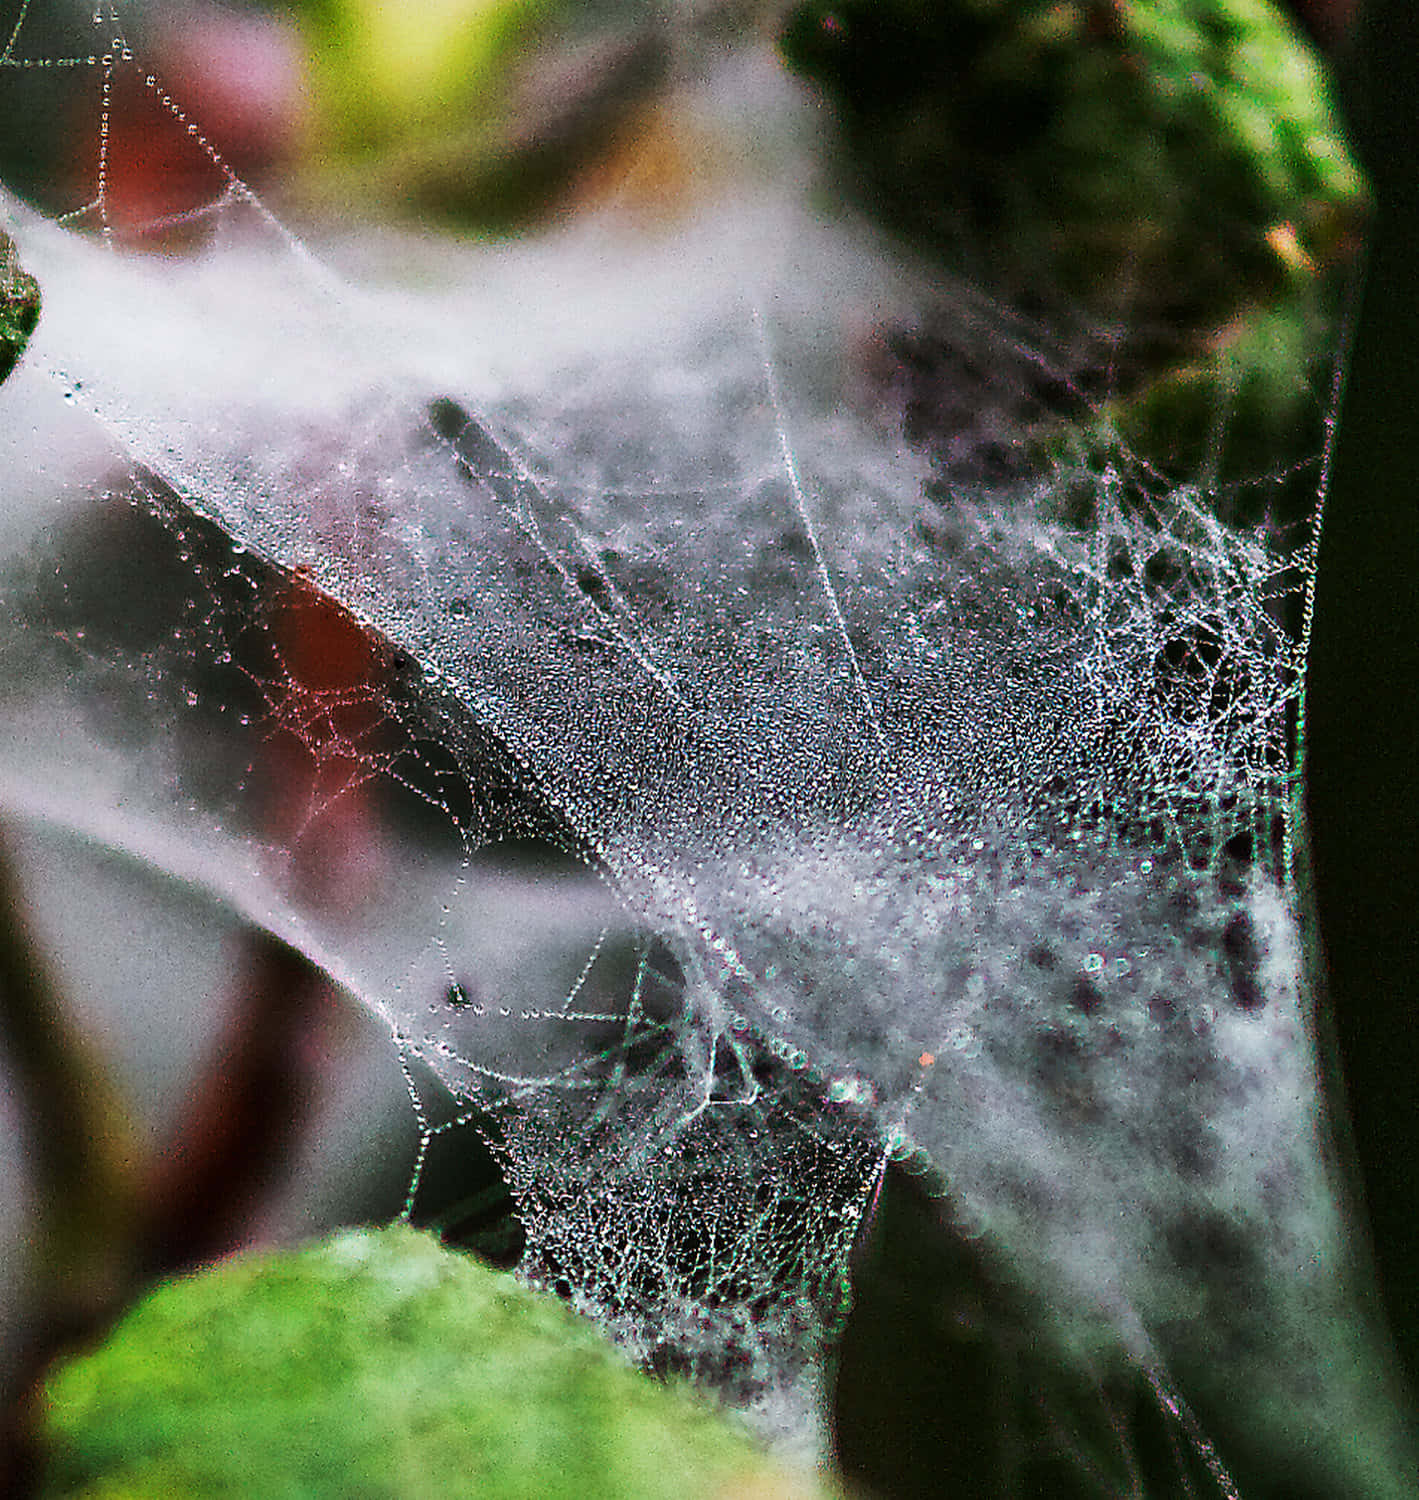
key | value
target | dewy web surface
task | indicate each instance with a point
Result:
(883, 810)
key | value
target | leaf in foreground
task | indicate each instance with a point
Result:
(377, 1363)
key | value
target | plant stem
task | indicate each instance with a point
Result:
(85, 1174)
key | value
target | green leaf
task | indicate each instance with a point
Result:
(1174, 163)
(379, 1364)
(19, 306)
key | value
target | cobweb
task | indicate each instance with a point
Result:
(718, 796)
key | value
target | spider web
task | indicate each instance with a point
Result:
(717, 795)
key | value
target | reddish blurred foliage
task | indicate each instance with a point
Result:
(209, 1187)
(327, 715)
(248, 1112)
(224, 100)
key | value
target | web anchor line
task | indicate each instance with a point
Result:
(820, 562)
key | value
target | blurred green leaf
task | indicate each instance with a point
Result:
(1184, 155)
(382, 74)
(19, 306)
(379, 1364)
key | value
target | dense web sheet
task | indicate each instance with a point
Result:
(882, 807)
